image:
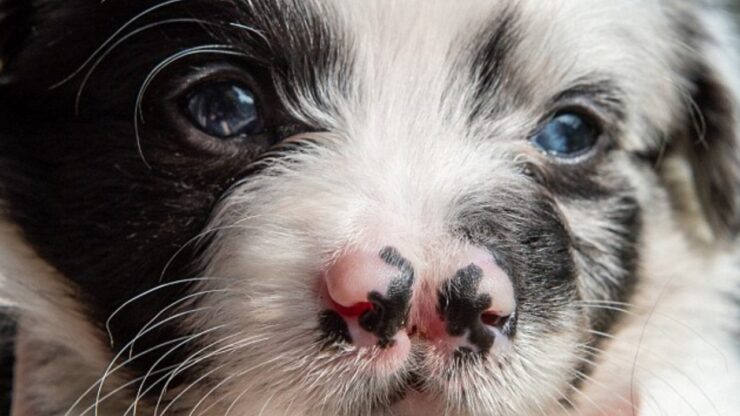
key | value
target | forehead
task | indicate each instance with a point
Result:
(515, 53)
(347, 63)
(564, 38)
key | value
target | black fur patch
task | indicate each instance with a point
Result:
(488, 62)
(714, 151)
(114, 225)
(530, 242)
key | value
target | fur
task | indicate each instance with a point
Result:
(154, 269)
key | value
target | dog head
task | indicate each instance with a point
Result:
(357, 207)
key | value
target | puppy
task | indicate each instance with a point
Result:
(339, 207)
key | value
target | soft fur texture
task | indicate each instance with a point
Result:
(154, 269)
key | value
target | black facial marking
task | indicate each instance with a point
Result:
(577, 182)
(76, 183)
(461, 306)
(714, 152)
(488, 65)
(533, 247)
(615, 285)
(390, 312)
(392, 257)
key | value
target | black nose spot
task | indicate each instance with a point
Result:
(461, 307)
(390, 312)
(334, 328)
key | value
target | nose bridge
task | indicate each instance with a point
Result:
(412, 170)
(407, 121)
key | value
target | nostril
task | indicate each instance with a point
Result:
(370, 292)
(353, 277)
(494, 320)
(352, 311)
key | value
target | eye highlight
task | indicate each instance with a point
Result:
(224, 109)
(568, 134)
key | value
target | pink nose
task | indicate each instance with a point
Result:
(477, 303)
(370, 294)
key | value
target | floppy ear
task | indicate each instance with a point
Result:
(709, 135)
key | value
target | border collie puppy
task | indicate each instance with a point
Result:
(346, 207)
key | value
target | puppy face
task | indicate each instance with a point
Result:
(352, 207)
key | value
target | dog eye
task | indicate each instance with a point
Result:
(224, 109)
(567, 135)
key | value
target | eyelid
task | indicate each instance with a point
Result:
(601, 97)
(599, 121)
(183, 85)
(583, 107)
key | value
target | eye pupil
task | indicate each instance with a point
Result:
(567, 134)
(224, 110)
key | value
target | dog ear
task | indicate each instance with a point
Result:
(709, 136)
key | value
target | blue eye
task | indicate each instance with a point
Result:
(567, 134)
(224, 109)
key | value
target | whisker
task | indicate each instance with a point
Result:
(167, 376)
(144, 329)
(112, 393)
(162, 357)
(112, 37)
(130, 343)
(675, 321)
(146, 293)
(585, 377)
(120, 41)
(673, 367)
(196, 358)
(193, 240)
(589, 399)
(137, 356)
(534, 369)
(221, 383)
(245, 391)
(264, 406)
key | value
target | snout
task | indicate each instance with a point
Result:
(370, 296)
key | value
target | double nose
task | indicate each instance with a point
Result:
(370, 295)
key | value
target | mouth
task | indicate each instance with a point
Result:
(414, 383)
